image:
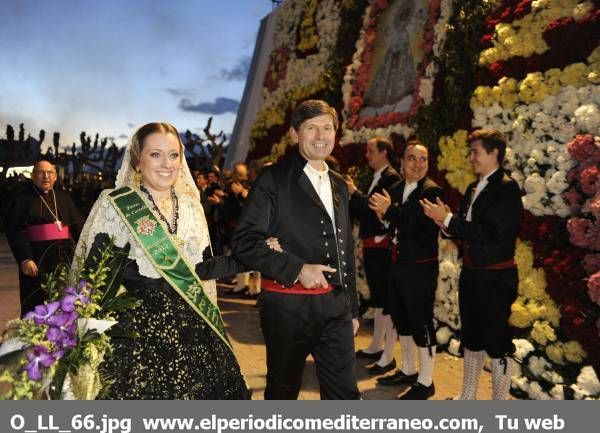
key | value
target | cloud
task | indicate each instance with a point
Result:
(184, 93)
(239, 72)
(220, 106)
(131, 125)
(123, 136)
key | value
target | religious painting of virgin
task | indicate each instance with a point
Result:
(397, 55)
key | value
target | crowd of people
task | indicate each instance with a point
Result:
(285, 230)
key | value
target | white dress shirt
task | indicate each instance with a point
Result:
(320, 181)
(409, 187)
(376, 177)
(480, 186)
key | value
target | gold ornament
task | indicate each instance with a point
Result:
(137, 177)
(165, 204)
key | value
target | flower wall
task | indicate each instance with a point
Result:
(528, 68)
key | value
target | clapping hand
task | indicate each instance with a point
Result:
(380, 203)
(350, 184)
(436, 211)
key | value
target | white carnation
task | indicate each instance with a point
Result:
(523, 347)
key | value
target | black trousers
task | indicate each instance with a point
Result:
(48, 255)
(376, 264)
(485, 298)
(412, 294)
(295, 326)
(30, 292)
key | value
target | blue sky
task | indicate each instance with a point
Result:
(107, 66)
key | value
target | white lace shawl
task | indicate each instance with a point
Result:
(191, 228)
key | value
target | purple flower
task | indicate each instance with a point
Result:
(75, 294)
(62, 331)
(38, 356)
(63, 320)
(42, 313)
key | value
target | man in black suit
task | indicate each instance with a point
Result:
(376, 252)
(413, 271)
(488, 223)
(308, 303)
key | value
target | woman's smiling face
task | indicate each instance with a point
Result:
(160, 161)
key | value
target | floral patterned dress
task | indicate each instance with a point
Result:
(176, 355)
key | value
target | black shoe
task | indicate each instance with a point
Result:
(418, 392)
(361, 354)
(398, 378)
(378, 369)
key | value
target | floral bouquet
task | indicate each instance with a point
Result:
(55, 350)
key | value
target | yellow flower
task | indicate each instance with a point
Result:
(503, 31)
(574, 352)
(533, 88)
(556, 353)
(593, 73)
(533, 286)
(537, 309)
(524, 258)
(581, 10)
(523, 37)
(595, 56)
(520, 316)
(574, 75)
(482, 96)
(542, 333)
(454, 159)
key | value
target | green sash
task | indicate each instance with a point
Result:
(166, 257)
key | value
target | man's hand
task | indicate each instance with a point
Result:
(238, 189)
(436, 211)
(380, 203)
(355, 325)
(311, 276)
(273, 243)
(213, 199)
(350, 183)
(29, 268)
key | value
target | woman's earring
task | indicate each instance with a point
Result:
(137, 177)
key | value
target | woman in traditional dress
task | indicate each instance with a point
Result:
(182, 350)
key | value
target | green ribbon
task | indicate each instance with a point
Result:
(166, 257)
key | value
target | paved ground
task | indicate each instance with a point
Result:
(241, 319)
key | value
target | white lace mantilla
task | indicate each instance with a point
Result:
(191, 228)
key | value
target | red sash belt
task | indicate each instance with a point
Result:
(296, 289)
(46, 232)
(506, 264)
(372, 243)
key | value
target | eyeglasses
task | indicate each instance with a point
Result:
(48, 173)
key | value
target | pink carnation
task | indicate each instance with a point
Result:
(594, 287)
(593, 206)
(583, 148)
(584, 233)
(572, 197)
(590, 180)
